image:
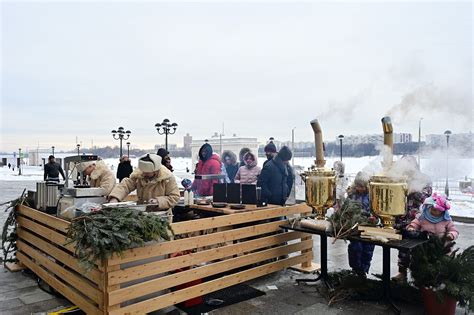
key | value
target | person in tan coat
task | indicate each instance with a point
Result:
(154, 183)
(99, 175)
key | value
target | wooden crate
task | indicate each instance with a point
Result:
(221, 251)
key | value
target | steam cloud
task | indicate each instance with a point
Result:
(431, 99)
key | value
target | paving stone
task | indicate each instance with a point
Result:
(320, 308)
(35, 296)
(42, 306)
(8, 295)
(9, 304)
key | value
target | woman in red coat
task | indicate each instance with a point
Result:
(209, 164)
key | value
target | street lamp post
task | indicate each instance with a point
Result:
(128, 149)
(121, 134)
(164, 128)
(52, 150)
(293, 147)
(447, 133)
(19, 161)
(340, 137)
(78, 146)
(419, 142)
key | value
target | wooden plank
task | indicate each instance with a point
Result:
(228, 210)
(232, 219)
(170, 264)
(93, 275)
(207, 287)
(49, 220)
(71, 294)
(173, 280)
(75, 281)
(108, 287)
(45, 232)
(14, 266)
(169, 247)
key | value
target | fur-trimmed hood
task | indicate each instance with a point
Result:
(102, 177)
(231, 155)
(100, 169)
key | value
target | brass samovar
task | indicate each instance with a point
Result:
(320, 182)
(388, 192)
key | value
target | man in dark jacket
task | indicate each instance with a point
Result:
(270, 152)
(276, 178)
(165, 158)
(52, 169)
(124, 168)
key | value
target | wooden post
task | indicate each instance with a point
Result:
(308, 266)
(105, 268)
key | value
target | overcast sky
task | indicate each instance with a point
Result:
(84, 69)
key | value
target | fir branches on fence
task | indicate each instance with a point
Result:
(9, 235)
(99, 235)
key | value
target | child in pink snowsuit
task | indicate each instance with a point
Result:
(435, 218)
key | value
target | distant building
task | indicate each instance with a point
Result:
(219, 144)
(375, 138)
(402, 137)
(456, 140)
(187, 140)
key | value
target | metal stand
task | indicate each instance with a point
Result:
(323, 274)
(386, 279)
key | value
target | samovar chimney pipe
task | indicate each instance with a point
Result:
(388, 140)
(318, 142)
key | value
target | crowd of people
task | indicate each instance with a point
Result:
(155, 184)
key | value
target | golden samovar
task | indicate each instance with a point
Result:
(387, 192)
(320, 182)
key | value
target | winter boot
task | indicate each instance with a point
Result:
(401, 278)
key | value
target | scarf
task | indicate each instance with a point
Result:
(426, 214)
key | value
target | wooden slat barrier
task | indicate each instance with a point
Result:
(209, 247)
(93, 275)
(229, 220)
(211, 269)
(170, 264)
(77, 282)
(46, 219)
(65, 290)
(207, 287)
(45, 232)
(164, 248)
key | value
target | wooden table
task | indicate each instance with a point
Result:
(149, 278)
(228, 210)
(404, 244)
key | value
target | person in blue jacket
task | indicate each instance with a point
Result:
(360, 254)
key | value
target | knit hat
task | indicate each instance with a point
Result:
(81, 167)
(285, 154)
(361, 179)
(162, 152)
(149, 163)
(270, 147)
(438, 201)
(187, 183)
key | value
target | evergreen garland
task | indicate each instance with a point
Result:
(9, 236)
(435, 267)
(98, 235)
(345, 221)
